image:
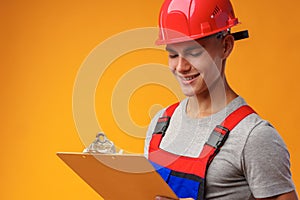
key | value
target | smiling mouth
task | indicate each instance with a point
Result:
(189, 78)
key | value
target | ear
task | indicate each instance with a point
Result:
(228, 43)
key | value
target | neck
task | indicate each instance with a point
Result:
(211, 101)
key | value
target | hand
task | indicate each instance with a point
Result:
(166, 198)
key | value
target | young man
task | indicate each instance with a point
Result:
(212, 145)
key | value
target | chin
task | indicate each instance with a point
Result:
(193, 90)
(188, 93)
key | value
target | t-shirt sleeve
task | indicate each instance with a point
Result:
(150, 130)
(266, 163)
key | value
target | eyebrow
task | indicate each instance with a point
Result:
(185, 50)
(169, 49)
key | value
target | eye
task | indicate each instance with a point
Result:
(173, 56)
(195, 54)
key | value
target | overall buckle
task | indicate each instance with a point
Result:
(218, 136)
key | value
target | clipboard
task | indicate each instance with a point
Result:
(116, 176)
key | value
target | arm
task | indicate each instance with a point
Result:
(150, 130)
(287, 196)
(266, 165)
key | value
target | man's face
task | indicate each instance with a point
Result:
(196, 64)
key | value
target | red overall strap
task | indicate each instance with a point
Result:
(210, 149)
(220, 134)
(170, 110)
(163, 122)
(235, 117)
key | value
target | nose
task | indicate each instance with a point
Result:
(183, 65)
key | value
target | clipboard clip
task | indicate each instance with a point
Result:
(101, 145)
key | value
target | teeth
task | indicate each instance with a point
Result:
(190, 78)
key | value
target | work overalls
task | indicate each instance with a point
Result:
(186, 175)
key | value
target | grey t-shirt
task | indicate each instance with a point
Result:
(254, 161)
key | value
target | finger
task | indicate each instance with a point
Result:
(163, 198)
(167, 198)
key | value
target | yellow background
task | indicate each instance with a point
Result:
(43, 44)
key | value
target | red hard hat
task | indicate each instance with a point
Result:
(182, 20)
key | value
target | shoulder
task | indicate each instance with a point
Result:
(264, 137)
(161, 112)
(260, 138)
(152, 126)
(266, 162)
